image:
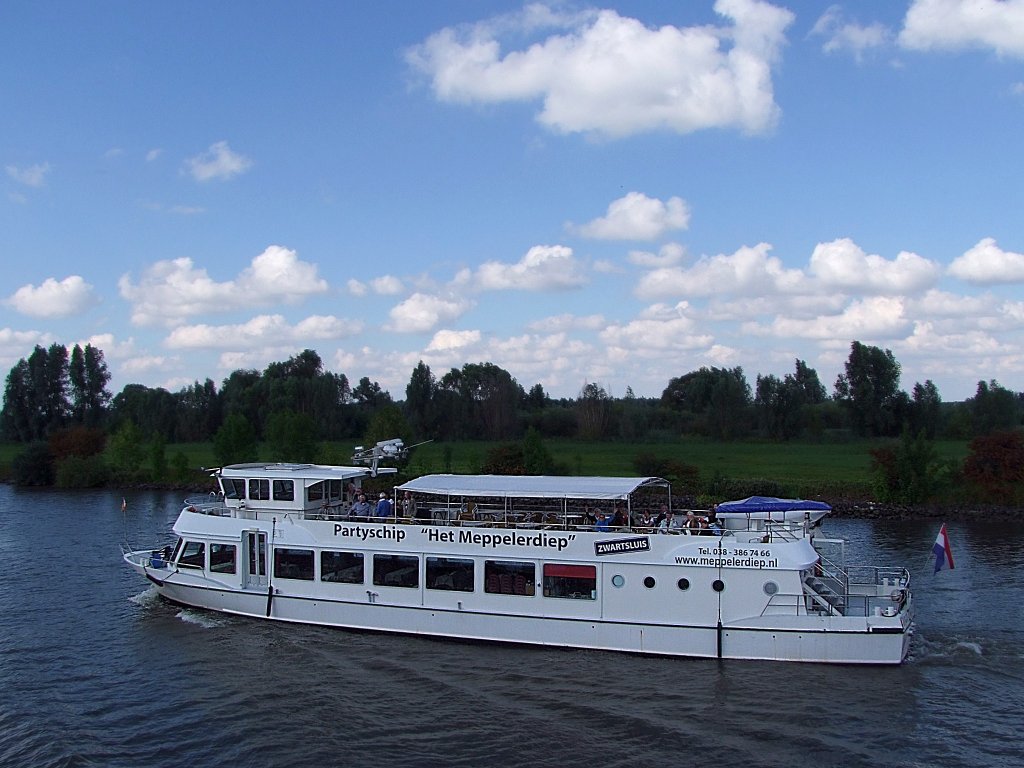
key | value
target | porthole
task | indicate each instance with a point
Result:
(618, 580)
(718, 585)
(649, 582)
(770, 588)
(683, 584)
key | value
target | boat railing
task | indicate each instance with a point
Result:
(858, 590)
(210, 504)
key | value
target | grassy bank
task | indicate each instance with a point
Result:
(801, 467)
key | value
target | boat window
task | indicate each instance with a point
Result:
(222, 558)
(177, 549)
(577, 582)
(234, 487)
(315, 492)
(293, 564)
(450, 573)
(193, 555)
(507, 577)
(335, 489)
(284, 490)
(259, 490)
(343, 567)
(396, 571)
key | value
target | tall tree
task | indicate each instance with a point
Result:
(89, 377)
(812, 391)
(780, 404)
(925, 409)
(593, 411)
(420, 394)
(197, 412)
(993, 408)
(721, 396)
(870, 390)
(19, 402)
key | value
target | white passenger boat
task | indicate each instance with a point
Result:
(531, 560)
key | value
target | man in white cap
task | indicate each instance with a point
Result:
(384, 509)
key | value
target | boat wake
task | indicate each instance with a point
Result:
(147, 598)
(955, 649)
(200, 618)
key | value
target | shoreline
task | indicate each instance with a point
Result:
(864, 509)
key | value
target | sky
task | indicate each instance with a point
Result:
(612, 194)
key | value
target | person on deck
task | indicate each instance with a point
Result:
(384, 509)
(666, 522)
(713, 525)
(361, 509)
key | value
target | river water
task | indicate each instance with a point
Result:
(96, 671)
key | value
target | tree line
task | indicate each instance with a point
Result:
(60, 397)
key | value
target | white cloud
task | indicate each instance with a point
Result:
(843, 264)
(567, 322)
(877, 317)
(987, 263)
(959, 24)
(849, 36)
(936, 304)
(660, 327)
(70, 296)
(670, 255)
(422, 312)
(356, 287)
(142, 364)
(153, 154)
(613, 76)
(543, 268)
(32, 176)
(387, 285)
(217, 162)
(262, 331)
(173, 291)
(638, 217)
(17, 344)
(448, 341)
(747, 271)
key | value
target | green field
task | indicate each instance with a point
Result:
(794, 462)
(802, 467)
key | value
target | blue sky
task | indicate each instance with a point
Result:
(614, 193)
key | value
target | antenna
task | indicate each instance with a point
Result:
(393, 449)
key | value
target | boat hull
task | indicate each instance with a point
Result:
(835, 640)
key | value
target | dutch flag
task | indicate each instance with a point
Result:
(941, 548)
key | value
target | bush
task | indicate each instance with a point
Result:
(905, 472)
(82, 472)
(77, 441)
(33, 466)
(995, 466)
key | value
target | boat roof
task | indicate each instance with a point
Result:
(530, 486)
(308, 472)
(771, 507)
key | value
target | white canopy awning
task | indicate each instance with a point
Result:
(530, 486)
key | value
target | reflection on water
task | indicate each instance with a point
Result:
(96, 671)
